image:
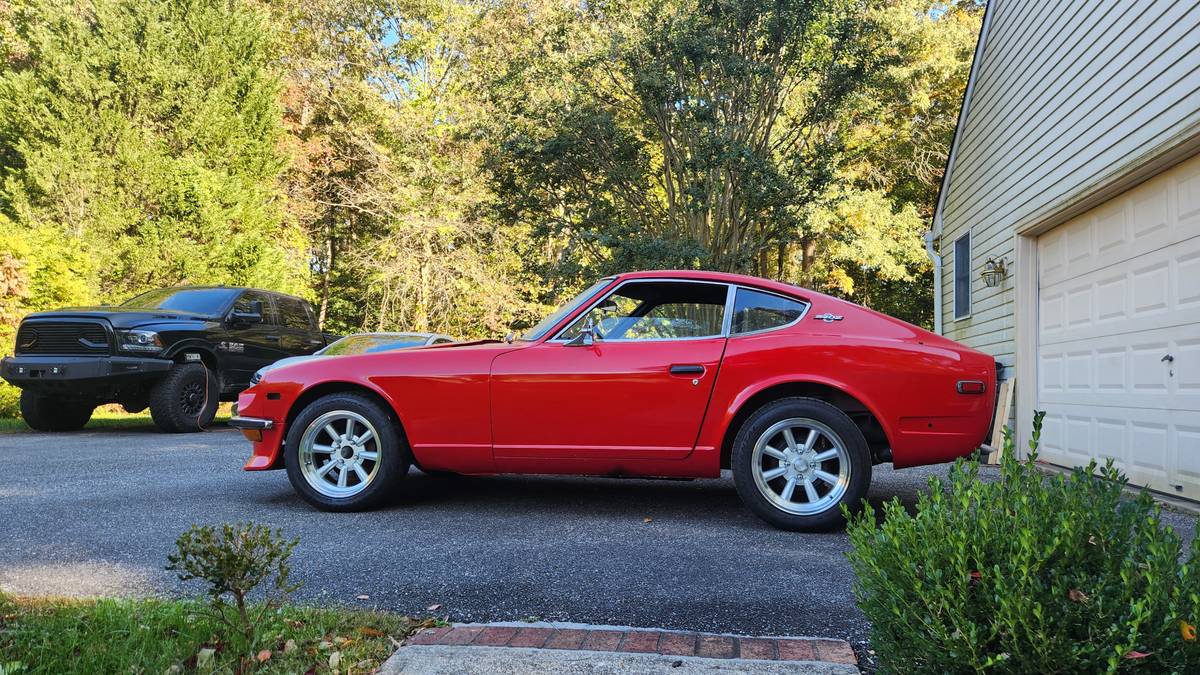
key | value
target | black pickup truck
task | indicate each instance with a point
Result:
(178, 351)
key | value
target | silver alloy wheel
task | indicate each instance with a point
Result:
(339, 454)
(801, 466)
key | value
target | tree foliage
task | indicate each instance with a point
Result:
(458, 166)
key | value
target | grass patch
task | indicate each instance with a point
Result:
(110, 417)
(164, 636)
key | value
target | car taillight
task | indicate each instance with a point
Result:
(971, 387)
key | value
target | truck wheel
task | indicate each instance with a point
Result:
(51, 413)
(185, 399)
(344, 452)
(796, 461)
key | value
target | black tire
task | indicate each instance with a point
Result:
(838, 430)
(53, 413)
(185, 399)
(394, 458)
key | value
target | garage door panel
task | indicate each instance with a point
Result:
(1154, 215)
(1118, 353)
(1138, 441)
(1157, 290)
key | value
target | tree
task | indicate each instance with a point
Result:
(779, 138)
(138, 141)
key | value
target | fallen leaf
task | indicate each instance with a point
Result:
(1187, 631)
(371, 632)
(338, 640)
(1132, 654)
(975, 575)
(311, 671)
(264, 656)
(335, 660)
(289, 646)
(363, 597)
(1077, 595)
(204, 658)
(434, 608)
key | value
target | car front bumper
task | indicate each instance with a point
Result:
(72, 373)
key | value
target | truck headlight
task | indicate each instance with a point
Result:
(139, 341)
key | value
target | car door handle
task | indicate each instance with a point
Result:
(687, 369)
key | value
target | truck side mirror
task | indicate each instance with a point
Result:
(248, 318)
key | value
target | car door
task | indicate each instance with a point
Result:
(637, 389)
(248, 347)
(297, 326)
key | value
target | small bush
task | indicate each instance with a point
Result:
(1027, 574)
(235, 561)
(10, 401)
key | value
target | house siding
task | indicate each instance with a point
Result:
(1067, 97)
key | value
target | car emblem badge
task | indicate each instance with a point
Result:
(827, 317)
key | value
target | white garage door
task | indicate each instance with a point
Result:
(1119, 334)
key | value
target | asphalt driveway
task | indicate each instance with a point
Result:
(96, 512)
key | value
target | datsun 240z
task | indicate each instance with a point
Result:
(674, 374)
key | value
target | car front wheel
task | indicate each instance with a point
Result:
(797, 460)
(345, 453)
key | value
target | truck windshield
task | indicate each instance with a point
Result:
(208, 301)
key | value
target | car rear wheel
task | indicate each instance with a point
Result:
(52, 413)
(797, 460)
(345, 453)
(185, 399)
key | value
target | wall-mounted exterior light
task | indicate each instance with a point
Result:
(994, 271)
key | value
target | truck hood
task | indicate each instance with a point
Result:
(120, 318)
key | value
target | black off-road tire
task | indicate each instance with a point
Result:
(395, 458)
(53, 413)
(850, 437)
(185, 399)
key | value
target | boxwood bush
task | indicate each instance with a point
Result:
(1027, 574)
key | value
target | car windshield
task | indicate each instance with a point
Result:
(372, 342)
(549, 322)
(208, 301)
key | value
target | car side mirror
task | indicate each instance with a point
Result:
(587, 337)
(248, 318)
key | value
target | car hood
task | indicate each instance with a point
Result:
(120, 318)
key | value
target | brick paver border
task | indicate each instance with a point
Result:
(674, 643)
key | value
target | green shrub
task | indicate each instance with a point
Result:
(1027, 574)
(235, 561)
(10, 401)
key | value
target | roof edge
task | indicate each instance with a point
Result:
(963, 113)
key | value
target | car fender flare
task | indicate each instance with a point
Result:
(745, 395)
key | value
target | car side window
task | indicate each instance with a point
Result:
(245, 303)
(292, 313)
(656, 310)
(755, 310)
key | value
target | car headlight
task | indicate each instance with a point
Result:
(139, 341)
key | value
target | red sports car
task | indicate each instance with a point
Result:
(652, 374)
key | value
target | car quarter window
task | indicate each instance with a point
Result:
(245, 303)
(292, 312)
(656, 310)
(756, 310)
